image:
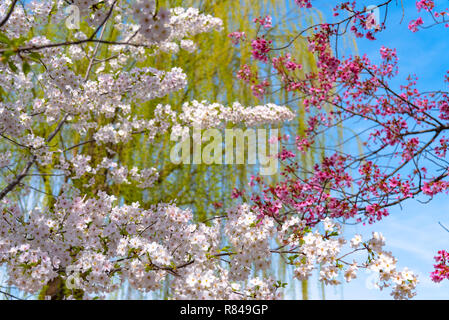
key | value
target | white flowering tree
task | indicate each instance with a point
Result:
(58, 98)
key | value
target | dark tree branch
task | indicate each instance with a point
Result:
(8, 15)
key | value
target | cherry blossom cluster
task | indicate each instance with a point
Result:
(265, 22)
(441, 271)
(153, 25)
(205, 115)
(185, 23)
(81, 165)
(261, 47)
(251, 244)
(237, 36)
(324, 250)
(24, 18)
(437, 13)
(304, 3)
(310, 248)
(251, 77)
(190, 22)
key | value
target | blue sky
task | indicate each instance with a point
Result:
(412, 232)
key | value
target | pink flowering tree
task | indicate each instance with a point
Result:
(403, 136)
(86, 241)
